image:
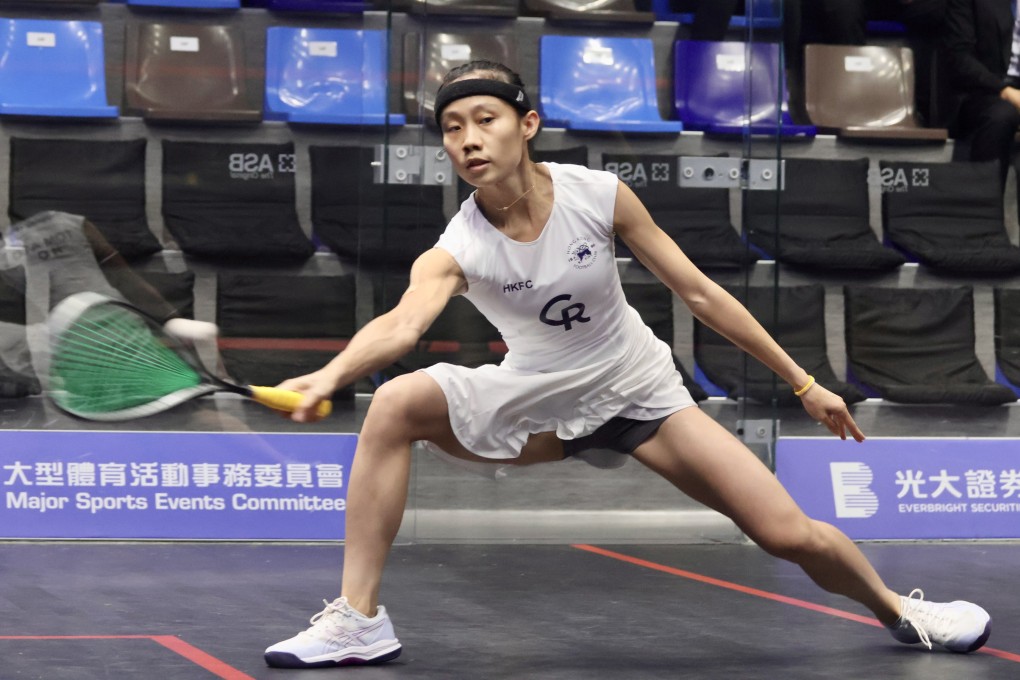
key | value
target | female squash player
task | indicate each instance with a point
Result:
(532, 248)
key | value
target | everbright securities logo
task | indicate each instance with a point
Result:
(851, 490)
(907, 488)
(246, 166)
(947, 491)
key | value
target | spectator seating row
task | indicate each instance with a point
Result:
(697, 219)
(341, 77)
(758, 13)
(188, 4)
(614, 11)
(903, 345)
(912, 346)
(228, 202)
(948, 217)
(723, 88)
(332, 6)
(237, 201)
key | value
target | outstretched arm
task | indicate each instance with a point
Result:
(435, 278)
(719, 310)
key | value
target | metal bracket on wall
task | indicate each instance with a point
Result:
(718, 172)
(407, 164)
(760, 436)
(758, 431)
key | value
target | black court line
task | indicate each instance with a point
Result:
(193, 654)
(775, 597)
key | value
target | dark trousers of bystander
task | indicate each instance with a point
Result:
(987, 125)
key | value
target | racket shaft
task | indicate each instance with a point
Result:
(286, 400)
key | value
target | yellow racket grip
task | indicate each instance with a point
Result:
(286, 400)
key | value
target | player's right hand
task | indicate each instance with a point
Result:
(315, 388)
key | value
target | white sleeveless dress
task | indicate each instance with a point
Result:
(578, 353)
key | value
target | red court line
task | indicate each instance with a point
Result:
(804, 604)
(193, 654)
(277, 344)
(200, 658)
(75, 637)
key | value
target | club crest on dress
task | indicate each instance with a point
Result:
(582, 253)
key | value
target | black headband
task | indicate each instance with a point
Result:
(511, 94)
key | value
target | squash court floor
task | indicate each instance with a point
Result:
(180, 611)
(475, 611)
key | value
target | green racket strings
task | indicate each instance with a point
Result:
(109, 360)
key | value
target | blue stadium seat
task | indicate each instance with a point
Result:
(1007, 337)
(341, 6)
(55, 4)
(762, 14)
(600, 84)
(466, 8)
(189, 4)
(711, 91)
(759, 14)
(53, 68)
(327, 76)
(664, 11)
(616, 12)
(885, 28)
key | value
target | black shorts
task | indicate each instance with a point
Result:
(622, 435)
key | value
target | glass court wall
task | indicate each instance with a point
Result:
(274, 168)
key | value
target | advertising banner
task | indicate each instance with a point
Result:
(891, 488)
(173, 485)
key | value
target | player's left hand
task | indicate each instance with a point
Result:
(830, 410)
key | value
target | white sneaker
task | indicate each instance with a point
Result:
(958, 626)
(339, 636)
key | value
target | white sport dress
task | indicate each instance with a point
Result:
(578, 353)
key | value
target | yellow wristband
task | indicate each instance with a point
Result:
(807, 386)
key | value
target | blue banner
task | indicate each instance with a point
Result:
(174, 485)
(906, 488)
